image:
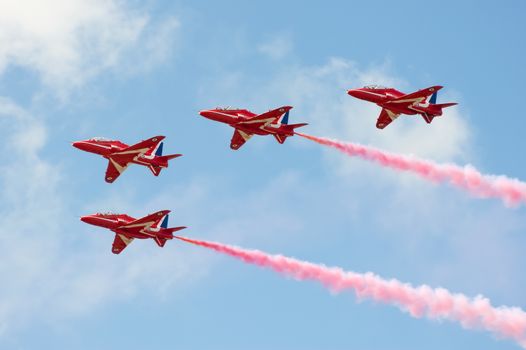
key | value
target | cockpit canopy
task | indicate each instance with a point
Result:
(227, 108)
(107, 213)
(374, 87)
(98, 138)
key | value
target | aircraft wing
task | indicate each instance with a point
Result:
(266, 118)
(116, 167)
(152, 220)
(386, 117)
(120, 242)
(239, 138)
(418, 96)
(143, 147)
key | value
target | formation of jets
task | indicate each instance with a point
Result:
(275, 122)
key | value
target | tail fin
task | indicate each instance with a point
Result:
(164, 224)
(285, 119)
(159, 151)
(433, 99)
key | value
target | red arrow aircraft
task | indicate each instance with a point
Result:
(246, 123)
(126, 228)
(148, 153)
(394, 103)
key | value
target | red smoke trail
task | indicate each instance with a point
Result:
(511, 191)
(422, 301)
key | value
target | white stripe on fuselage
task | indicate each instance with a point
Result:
(96, 144)
(373, 93)
(416, 99)
(227, 115)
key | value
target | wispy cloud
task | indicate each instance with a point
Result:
(277, 47)
(68, 43)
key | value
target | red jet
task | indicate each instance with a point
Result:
(148, 153)
(246, 123)
(126, 228)
(394, 103)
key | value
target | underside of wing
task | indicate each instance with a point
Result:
(386, 117)
(120, 242)
(239, 138)
(115, 168)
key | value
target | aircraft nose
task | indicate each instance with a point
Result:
(354, 92)
(206, 113)
(82, 145)
(88, 219)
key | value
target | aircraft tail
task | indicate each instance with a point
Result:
(435, 108)
(167, 233)
(433, 101)
(445, 105)
(160, 162)
(285, 119)
(290, 131)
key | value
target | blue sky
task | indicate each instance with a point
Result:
(130, 70)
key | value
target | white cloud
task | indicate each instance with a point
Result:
(277, 48)
(68, 42)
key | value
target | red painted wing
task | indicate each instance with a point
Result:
(417, 96)
(266, 118)
(239, 138)
(151, 220)
(120, 242)
(116, 166)
(143, 146)
(386, 117)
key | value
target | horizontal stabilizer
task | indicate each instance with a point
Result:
(299, 125)
(162, 161)
(444, 105)
(175, 229)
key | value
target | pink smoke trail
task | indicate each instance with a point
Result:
(511, 191)
(422, 301)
